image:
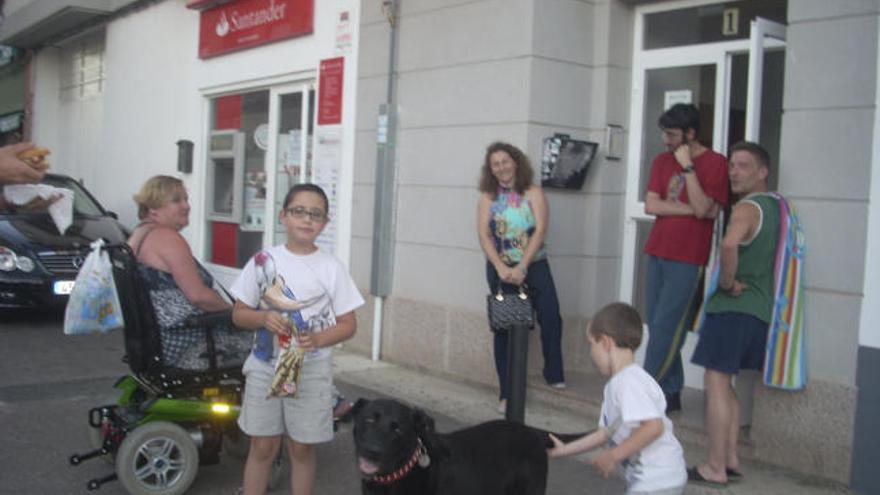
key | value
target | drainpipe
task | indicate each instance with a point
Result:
(27, 124)
(383, 203)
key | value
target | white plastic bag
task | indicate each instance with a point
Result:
(94, 304)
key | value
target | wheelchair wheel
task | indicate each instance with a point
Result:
(158, 458)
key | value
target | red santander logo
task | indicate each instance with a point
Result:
(247, 23)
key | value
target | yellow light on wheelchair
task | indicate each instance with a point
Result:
(220, 408)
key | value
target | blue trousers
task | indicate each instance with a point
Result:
(669, 294)
(542, 292)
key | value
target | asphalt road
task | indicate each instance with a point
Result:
(49, 381)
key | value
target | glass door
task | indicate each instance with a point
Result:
(698, 79)
(291, 129)
(737, 86)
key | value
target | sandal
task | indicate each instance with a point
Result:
(696, 478)
(733, 476)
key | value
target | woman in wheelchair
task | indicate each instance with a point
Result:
(179, 287)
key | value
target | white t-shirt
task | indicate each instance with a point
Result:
(630, 397)
(311, 289)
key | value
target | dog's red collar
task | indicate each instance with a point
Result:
(387, 479)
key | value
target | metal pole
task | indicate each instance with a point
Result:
(383, 202)
(517, 360)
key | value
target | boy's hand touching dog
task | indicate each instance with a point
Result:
(606, 464)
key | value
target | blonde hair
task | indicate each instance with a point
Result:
(157, 191)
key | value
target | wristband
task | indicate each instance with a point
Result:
(687, 170)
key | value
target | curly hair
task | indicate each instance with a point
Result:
(524, 173)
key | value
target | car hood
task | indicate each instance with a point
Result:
(38, 232)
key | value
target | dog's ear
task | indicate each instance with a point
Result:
(358, 405)
(422, 423)
(424, 427)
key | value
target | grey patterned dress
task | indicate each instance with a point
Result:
(186, 348)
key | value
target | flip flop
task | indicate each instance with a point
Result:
(696, 478)
(733, 476)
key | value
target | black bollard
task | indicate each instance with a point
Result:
(517, 361)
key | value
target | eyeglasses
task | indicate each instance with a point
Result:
(301, 212)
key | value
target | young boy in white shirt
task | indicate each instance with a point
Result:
(634, 425)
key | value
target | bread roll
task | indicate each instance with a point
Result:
(35, 152)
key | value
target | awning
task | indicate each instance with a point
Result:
(42, 20)
(205, 4)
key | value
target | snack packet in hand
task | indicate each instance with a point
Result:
(290, 360)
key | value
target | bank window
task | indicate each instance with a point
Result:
(293, 162)
(236, 177)
(709, 23)
(82, 72)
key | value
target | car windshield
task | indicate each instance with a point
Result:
(83, 204)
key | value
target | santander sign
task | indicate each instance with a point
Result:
(247, 23)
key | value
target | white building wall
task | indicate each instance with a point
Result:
(156, 92)
(869, 329)
(469, 74)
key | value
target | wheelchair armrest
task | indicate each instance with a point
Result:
(211, 319)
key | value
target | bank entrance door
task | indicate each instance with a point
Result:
(736, 84)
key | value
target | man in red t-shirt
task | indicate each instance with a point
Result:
(687, 188)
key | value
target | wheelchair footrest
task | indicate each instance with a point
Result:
(96, 483)
(76, 459)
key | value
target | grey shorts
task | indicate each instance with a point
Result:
(307, 418)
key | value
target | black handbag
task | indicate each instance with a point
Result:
(507, 310)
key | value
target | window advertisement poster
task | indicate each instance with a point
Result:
(328, 164)
(330, 91)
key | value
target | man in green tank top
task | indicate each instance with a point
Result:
(734, 335)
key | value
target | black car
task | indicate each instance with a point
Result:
(38, 265)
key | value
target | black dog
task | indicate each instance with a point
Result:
(399, 453)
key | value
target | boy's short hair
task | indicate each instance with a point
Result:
(307, 187)
(619, 321)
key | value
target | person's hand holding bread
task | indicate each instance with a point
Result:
(22, 163)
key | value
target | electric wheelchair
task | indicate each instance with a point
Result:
(167, 420)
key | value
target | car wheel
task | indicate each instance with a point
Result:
(158, 458)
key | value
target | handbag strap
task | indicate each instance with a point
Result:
(499, 295)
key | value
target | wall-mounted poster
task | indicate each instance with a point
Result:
(565, 161)
(330, 91)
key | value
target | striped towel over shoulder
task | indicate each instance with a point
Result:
(785, 357)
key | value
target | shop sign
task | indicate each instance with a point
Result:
(330, 91)
(11, 121)
(248, 23)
